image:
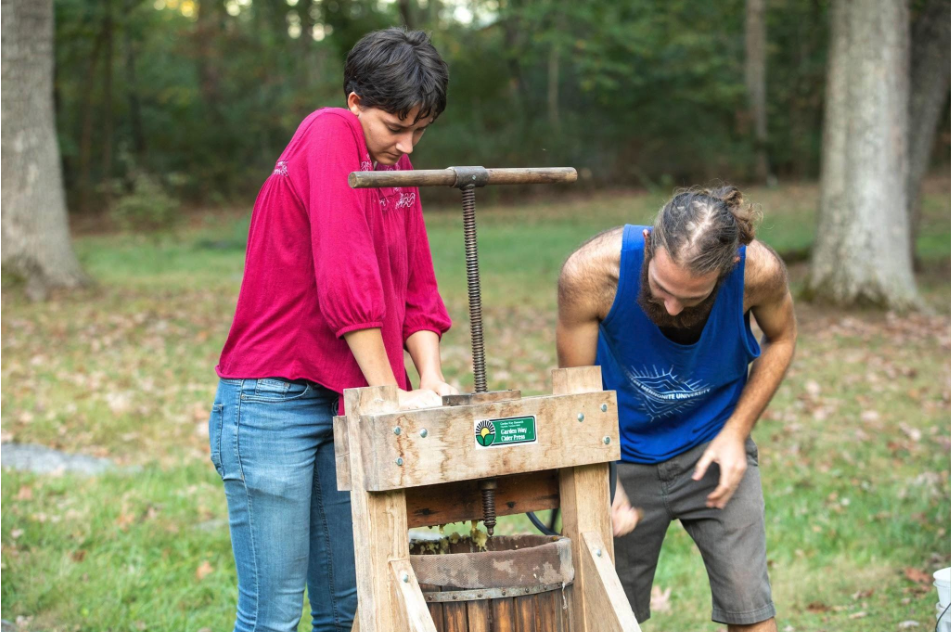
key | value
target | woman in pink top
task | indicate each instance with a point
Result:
(337, 283)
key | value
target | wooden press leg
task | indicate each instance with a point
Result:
(380, 520)
(584, 499)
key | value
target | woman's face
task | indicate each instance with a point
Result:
(388, 137)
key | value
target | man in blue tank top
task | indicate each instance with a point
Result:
(665, 311)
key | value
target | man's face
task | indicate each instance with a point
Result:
(388, 137)
(671, 296)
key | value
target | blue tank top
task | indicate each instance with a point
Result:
(672, 397)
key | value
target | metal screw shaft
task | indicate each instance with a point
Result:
(472, 282)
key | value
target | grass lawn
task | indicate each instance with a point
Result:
(854, 449)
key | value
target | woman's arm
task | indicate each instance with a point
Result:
(371, 355)
(424, 348)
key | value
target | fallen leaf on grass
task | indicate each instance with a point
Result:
(203, 570)
(78, 555)
(908, 624)
(25, 493)
(660, 600)
(863, 594)
(16, 533)
(818, 606)
(857, 615)
(915, 575)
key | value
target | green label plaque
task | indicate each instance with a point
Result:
(494, 433)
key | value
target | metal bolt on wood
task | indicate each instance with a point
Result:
(604, 408)
(399, 461)
(423, 433)
(396, 430)
(607, 440)
(581, 417)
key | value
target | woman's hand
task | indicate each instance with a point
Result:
(420, 398)
(439, 386)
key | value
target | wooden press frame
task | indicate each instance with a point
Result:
(435, 482)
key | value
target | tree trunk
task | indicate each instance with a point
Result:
(86, 135)
(861, 256)
(928, 91)
(132, 85)
(755, 74)
(108, 31)
(35, 233)
(406, 14)
(553, 86)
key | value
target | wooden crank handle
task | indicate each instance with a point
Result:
(458, 177)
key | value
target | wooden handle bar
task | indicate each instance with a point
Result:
(449, 177)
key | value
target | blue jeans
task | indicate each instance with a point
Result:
(272, 443)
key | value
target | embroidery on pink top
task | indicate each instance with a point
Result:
(406, 200)
(281, 168)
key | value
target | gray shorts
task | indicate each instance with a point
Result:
(731, 540)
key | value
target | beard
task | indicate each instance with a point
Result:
(689, 318)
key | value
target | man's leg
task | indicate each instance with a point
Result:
(732, 540)
(636, 554)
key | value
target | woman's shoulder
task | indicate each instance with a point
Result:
(330, 121)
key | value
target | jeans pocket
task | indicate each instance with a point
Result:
(276, 390)
(215, 422)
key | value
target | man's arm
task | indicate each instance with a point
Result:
(767, 295)
(587, 288)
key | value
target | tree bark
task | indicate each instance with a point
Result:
(132, 85)
(35, 230)
(928, 93)
(861, 256)
(553, 86)
(108, 32)
(406, 14)
(755, 74)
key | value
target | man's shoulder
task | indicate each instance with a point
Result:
(590, 274)
(765, 274)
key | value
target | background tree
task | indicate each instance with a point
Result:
(929, 91)
(755, 75)
(862, 252)
(36, 242)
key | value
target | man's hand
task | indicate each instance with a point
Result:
(727, 450)
(420, 398)
(624, 516)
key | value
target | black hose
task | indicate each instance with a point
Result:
(549, 529)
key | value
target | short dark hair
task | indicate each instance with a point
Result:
(396, 70)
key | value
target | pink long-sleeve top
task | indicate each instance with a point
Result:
(324, 259)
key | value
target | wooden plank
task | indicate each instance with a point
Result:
(380, 519)
(551, 614)
(525, 608)
(584, 494)
(410, 597)
(503, 615)
(607, 607)
(460, 501)
(435, 607)
(478, 614)
(448, 451)
(341, 453)
(468, 399)
(454, 615)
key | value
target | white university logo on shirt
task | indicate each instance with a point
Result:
(661, 393)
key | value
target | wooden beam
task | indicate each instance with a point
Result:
(584, 494)
(607, 607)
(380, 519)
(438, 445)
(462, 500)
(410, 597)
(341, 453)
